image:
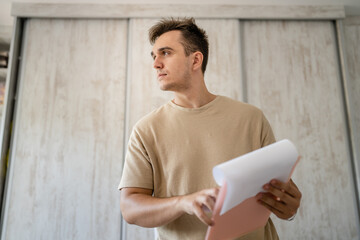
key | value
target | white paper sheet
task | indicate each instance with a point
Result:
(246, 175)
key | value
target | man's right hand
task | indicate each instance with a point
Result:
(199, 202)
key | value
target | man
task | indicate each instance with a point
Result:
(167, 181)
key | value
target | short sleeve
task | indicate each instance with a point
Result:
(137, 171)
(267, 135)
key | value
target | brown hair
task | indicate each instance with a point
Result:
(193, 38)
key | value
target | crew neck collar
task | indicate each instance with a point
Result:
(202, 108)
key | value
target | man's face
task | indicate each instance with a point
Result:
(172, 66)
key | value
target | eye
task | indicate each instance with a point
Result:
(165, 53)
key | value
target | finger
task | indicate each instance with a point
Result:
(200, 213)
(279, 210)
(209, 198)
(213, 192)
(294, 190)
(275, 211)
(209, 203)
(278, 194)
(278, 184)
(272, 202)
(288, 187)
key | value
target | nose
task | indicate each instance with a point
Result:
(158, 64)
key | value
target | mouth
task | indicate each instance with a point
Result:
(160, 75)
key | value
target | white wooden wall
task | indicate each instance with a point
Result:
(84, 84)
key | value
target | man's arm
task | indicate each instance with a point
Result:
(283, 199)
(139, 207)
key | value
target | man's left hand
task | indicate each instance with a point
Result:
(283, 199)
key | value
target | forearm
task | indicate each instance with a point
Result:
(139, 207)
(147, 211)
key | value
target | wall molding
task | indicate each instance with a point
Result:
(78, 10)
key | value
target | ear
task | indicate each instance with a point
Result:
(197, 60)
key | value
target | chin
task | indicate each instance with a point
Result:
(166, 87)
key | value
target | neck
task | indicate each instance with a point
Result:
(194, 97)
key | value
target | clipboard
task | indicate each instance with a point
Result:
(248, 215)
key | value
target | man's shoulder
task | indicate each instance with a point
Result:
(154, 117)
(241, 107)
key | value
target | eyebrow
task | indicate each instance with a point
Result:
(161, 49)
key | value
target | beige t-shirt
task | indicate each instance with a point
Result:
(173, 149)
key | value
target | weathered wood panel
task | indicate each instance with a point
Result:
(223, 73)
(68, 138)
(144, 94)
(292, 73)
(222, 76)
(351, 29)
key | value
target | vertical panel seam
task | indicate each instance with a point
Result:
(346, 105)
(126, 113)
(244, 84)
